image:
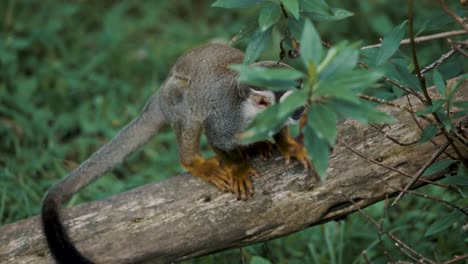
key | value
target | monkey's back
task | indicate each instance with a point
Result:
(202, 89)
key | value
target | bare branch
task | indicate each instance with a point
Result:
(425, 38)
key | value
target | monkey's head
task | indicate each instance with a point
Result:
(257, 99)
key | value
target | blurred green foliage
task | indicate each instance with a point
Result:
(72, 73)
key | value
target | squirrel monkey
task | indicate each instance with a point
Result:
(200, 92)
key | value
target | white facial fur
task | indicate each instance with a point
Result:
(256, 103)
(290, 121)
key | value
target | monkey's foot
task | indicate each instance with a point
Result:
(212, 171)
(291, 149)
(242, 185)
(262, 148)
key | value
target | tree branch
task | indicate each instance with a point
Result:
(183, 217)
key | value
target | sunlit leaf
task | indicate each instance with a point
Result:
(341, 57)
(311, 46)
(269, 15)
(292, 6)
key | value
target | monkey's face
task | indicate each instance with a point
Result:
(258, 100)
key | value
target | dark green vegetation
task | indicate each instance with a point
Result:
(72, 73)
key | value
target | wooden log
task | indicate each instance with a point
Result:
(183, 217)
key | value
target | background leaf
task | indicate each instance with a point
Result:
(391, 43)
(236, 3)
(438, 166)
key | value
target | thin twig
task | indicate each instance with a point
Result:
(381, 231)
(396, 84)
(454, 15)
(454, 206)
(390, 235)
(396, 141)
(425, 38)
(459, 46)
(366, 258)
(439, 61)
(420, 172)
(422, 83)
(456, 259)
(389, 167)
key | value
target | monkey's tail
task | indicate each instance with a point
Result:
(129, 139)
(57, 238)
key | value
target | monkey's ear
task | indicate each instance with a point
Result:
(261, 99)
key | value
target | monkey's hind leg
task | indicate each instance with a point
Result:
(290, 148)
(210, 170)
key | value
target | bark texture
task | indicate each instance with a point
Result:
(183, 217)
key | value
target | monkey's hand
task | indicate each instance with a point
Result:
(290, 148)
(212, 171)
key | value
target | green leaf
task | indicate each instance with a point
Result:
(259, 260)
(315, 6)
(445, 222)
(318, 149)
(438, 166)
(462, 171)
(268, 122)
(236, 3)
(429, 132)
(323, 120)
(311, 47)
(446, 122)
(277, 79)
(360, 111)
(436, 105)
(340, 58)
(292, 6)
(256, 45)
(333, 14)
(391, 43)
(405, 77)
(439, 82)
(269, 15)
(461, 104)
(346, 85)
(461, 179)
(455, 87)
